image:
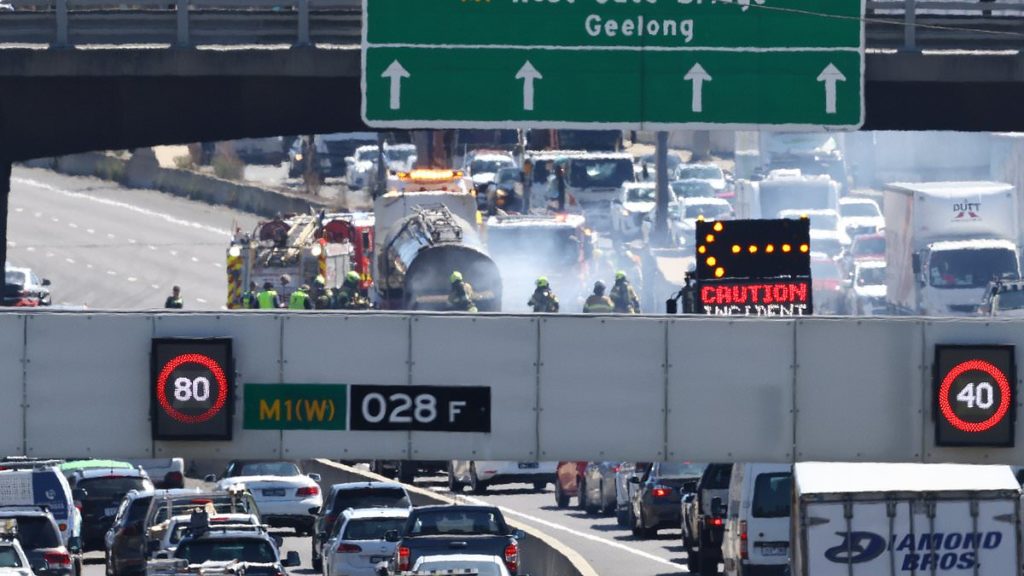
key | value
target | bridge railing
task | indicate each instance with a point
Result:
(891, 24)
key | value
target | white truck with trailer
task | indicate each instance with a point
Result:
(945, 241)
(871, 519)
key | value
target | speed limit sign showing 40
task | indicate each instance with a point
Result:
(975, 395)
(192, 389)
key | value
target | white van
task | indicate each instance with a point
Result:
(30, 484)
(757, 526)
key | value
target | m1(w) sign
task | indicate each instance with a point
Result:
(657, 64)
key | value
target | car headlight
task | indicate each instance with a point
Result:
(298, 157)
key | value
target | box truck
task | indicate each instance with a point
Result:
(945, 241)
(893, 519)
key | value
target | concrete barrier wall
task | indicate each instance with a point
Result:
(562, 387)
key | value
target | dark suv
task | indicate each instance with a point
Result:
(341, 497)
(659, 494)
(99, 492)
(704, 519)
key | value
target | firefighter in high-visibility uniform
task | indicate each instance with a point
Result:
(249, 296)
(267, 298)
(323, 296)
(598, 303)
(350, 295)
(300, 299)
(543, 299)
(623, 295)
(460, 297)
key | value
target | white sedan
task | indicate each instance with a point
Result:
(284, 495)
(479, 474)
(479, 564)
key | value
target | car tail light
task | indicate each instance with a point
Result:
(62, 526)
(349, 548)
(744, 553)
(615, 469)
(174, 480)
(716, 521)
(61, 559)
(512, 557)
(403, 559)
(308, 491)
(660, 491)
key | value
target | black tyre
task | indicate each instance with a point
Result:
(634, 523)
(692, 562)
(707, 564)
(561, 500)
(581, 494)
(477, 485)
(318, 565)
(453, 484)
(621, 517)
(540, 486)
(405, 472)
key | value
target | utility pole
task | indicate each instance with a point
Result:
(661, 236)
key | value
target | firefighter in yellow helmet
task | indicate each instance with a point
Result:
(349, 295)
(543, 299)
(623, 296)
(460, 297)
(598, 303)
(300, 300)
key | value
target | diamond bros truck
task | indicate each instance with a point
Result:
(945, 241)
(894, 519)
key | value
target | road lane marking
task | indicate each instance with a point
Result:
(132, 279)
(69, 260)
(31, 249)
(155, 286)
(194, 259)
(90, 230)
(89, 266)
(19, 209)
(173, 252)
(111, 273)
(201, 300)
(55, 219)
(111, 236)
(72, 225)
(131, 240)
(11, 243)
(508, 511)
(151, 247)
(137, 209)
(36, 214)
(49, 254)
(216, 264)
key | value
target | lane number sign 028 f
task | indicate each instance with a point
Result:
(192, 389)
(975, 395)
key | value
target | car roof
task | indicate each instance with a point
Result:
(163, 493)
(91, 473)
(370, 484)
(11, 511)
(80, 465)
(356, 513)
(227, 516)
(704, 200)
(456, 507)
(854, 200)
(879, 263)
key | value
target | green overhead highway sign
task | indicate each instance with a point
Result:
(632, 64)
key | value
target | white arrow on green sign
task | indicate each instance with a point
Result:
(658, 64)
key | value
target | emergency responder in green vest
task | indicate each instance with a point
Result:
(267, 298)
(174, 300)
(249, 296)
(349, 295)
(460, 297)
(300, 299)
(543, 299)
(322, 295)
(598, 303)
(623, 295)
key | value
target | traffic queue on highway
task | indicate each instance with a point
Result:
(52, 512)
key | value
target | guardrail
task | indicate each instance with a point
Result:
(891, 24)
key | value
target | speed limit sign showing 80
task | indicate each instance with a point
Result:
(975, 395)
(192, 389)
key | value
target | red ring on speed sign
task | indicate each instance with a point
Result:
(204, 361)
(1004, 393)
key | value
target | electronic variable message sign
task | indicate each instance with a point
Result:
(754, 267)
(192, 389)
(975, 395)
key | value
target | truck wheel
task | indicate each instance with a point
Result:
(621, 518)
(561, 500)
(477, 485)
(708, 565)
(453, 484)
(581, 494)
(318, 564)
(540, 486)
(405, 472)
(693, 562)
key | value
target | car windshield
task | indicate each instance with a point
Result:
(35, 532)
(772, 493)
(866, 246)
(221, 503)
(439, 522)
(488, 166)
(9, 557)
(970, 268)
(692, 189)
(139, 508)
(225, 550)
(708, 211)
(700, 172)
(110, 487)
(366, 155)
(593, 173)
(266, 469)
(859, 210)
(14, 277)
(1011, 300)
(510, 174)
(871, 276)
(680, 470)
(824, 270)
(371, 528)
(824, 222)
(371, 498)
(641, 195)
(399, 154)
(717, 476)
(480, 568)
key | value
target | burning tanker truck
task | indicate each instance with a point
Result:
(425, 230)
(420, 253)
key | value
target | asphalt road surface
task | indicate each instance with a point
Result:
(108, 247)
